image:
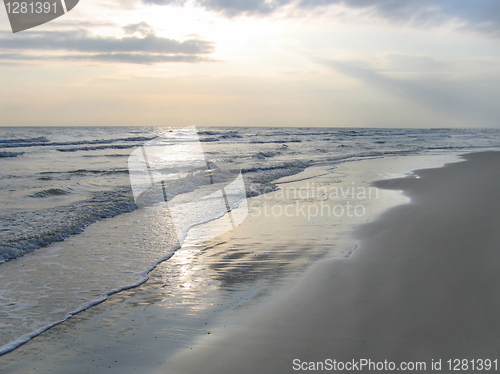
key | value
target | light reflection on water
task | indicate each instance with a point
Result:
(203, 282)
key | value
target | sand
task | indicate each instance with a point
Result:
(423, 286)
(416, 283)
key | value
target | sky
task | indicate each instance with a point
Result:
(301, 63)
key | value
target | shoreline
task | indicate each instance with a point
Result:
(415, 290)
(124, 295)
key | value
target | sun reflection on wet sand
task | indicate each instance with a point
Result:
(204, 283)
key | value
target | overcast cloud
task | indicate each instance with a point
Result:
(147, 49)
(328, 62)
(465, 100)
(477, 15)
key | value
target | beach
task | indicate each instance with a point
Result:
(243, 187)
(421, 288)
(283, 291)
(94, 282)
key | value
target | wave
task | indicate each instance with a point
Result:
(64, 221)
(97, 148)
(97, 299)
(136, 139)
(26, 232)
(29, 231)
(83, 172)
(221, 134)
(50, 193)
(276, 141)
(263, 155)
(44, 142)
(110, 156)
(265, 168)
(41, 139)
(27, 337)
(10, 154)
(99, 172)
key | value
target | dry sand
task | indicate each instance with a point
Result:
(422, 286)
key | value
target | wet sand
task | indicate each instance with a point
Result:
(249, 297)
(423, 286)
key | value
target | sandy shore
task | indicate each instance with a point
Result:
(418, 283)
(421, 287)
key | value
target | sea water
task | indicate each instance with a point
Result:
(66, 203)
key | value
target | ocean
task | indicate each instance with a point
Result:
(72, 233)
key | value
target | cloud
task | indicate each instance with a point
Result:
(131, 58)
(465, 100)
(478, 15)
(148, 49)
(141, 28)
(230, 7)
(82, 41)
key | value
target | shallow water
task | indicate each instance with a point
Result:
(204, 283)
(66, 182)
